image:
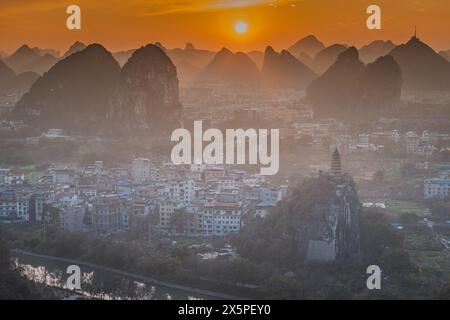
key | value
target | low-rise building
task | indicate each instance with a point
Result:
(437, 188)
(72, 218)
(220, 219)
(107, 213)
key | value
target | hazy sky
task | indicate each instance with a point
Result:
(120, 24)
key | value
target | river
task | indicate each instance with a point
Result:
(104, 283)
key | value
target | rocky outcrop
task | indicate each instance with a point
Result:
(147, 94)
(334, 92)
(331, 231)
(422, 68)
(75, 93)
(351, 90)
(318, 221)
(380, 85)
(327, 57)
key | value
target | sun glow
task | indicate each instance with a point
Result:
(240, 27)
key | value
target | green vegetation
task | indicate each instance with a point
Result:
(409, 207)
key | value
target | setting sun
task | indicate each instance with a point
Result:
(240, 27)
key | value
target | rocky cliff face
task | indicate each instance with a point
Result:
(331, 231)
(147, 94)
(318, 221)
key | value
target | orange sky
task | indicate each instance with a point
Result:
(120, 24)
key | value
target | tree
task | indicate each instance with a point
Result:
(378, 177)
(177, 220)
(440, 209)
(409, 218)
(377, 235)
(443, 293)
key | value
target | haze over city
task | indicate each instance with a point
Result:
(224, 149)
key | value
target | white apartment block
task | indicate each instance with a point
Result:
(166, 210)
(437, 188)
(109, 214)
(412, 142)
(182, 192)
(15, 208)
(220, 219)
(141, 170)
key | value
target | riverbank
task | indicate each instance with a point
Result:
(150, 280)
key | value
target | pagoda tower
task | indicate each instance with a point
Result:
(336, 166)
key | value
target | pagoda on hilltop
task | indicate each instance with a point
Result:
(336, 166)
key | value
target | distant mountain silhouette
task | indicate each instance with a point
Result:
(19, 84)
(74, 93)
(257, 57)
(284, 71)
(43, 52)
(6, 73)
(230, 69)
(22, 57)
(40, 65)
(445, 55)
(187, 73)
(189, 62)
(123, 56)
(374, 50)
(309, 45)
(147, 95)
(334, 90)
(380, 84)
(422, 67)
(326, 57)
(76, 47)
(349, 89)
(161, 46)
(3, 54)
(196, 57)
(306, 59)
(10, 83)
